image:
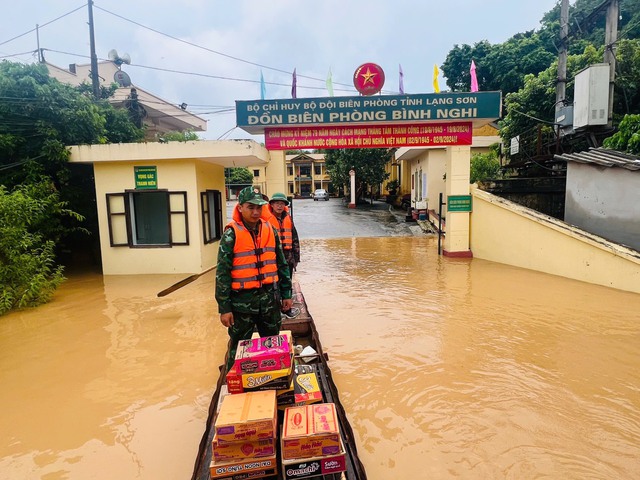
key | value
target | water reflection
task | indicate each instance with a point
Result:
(447, 368)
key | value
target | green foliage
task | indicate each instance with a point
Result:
(535, 102)
(627, 138)
(186, 136)
(368, 163)
(28, 272)
(239, 176)
(393, 186)
(484, 166)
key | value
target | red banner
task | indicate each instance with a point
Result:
(369, 136)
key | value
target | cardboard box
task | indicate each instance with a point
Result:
(306, 389)
(310, 431)
(263, 354)
(247, 416)
(257, 468)
(243, 451)
(315, 466)
(257, 381)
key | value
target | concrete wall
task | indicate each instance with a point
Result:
(604, 201)
(505, 232)
(173, 176)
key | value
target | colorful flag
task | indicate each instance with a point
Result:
(436, 86)
(263, 87)
(330, 83)
(401, 81)
(294, 92)
(474, 79)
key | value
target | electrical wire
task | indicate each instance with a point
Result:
(43, 25)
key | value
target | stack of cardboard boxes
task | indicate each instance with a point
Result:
(311, 443)
(245, 436)
(263, 380)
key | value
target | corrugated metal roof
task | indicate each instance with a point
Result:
(603, 157)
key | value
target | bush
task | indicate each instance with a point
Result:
(484, 166)
(28, 273)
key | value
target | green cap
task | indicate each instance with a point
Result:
(251, 195)
(279, 197)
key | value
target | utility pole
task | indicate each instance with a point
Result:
(610, 39)
(95, 78)
(561, 85)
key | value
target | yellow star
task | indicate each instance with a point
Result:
(368, 76)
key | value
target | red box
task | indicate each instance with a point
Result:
(263, 354)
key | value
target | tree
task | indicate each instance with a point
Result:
(627, 138)
(368, 163)
(186, 136)
(28, 272)
(484, 166)
(239, 176)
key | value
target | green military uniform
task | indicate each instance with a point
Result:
(257, 306)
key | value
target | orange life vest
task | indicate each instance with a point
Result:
(285, 227)
(254, 264)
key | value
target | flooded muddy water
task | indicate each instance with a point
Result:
(447, 368)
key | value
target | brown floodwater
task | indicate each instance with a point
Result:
(447, 368)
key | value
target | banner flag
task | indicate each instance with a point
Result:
(294, 91)
(330, 83)
(263, 87)
(436, 86)
(401, 81)
(474, 78)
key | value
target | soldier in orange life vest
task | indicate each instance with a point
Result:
(277, 214)
(253, 283)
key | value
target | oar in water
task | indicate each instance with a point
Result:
(184, 282)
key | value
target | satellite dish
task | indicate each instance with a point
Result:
(117, 59)
(122, 78)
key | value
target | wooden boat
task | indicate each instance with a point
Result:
(304, 332)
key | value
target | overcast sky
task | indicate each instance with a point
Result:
(224, 45)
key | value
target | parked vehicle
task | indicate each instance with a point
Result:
(320, 194)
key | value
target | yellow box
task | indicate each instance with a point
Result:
(310, 431)
(306, 389)
(247, 416)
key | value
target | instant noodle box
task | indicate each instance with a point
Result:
(310, 431)
(247, 417)
(315, 466)
(263, 354)
(242, 451)
(251, 382)
(257, 468)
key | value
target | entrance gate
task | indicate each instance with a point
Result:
(416, 120)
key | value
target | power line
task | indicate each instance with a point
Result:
(43, 25)
(211, 50)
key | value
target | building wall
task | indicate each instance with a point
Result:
(505, 232)
(604, 201)
(174, 176)
(208, 177)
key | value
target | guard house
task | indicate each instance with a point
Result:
(161, 206)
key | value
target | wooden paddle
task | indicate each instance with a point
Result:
(184, 282)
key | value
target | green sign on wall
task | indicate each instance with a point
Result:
(459, 203)
(146, 177)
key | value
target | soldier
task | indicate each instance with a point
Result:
(253, 284)
(277, 214)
